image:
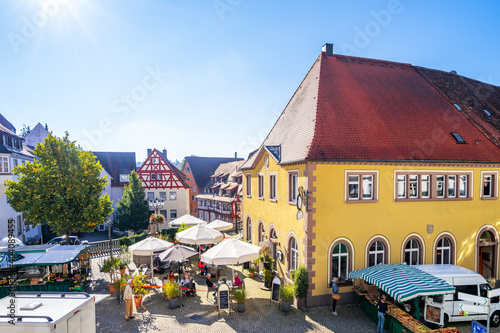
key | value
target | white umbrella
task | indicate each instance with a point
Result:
(178, 252)
(14, 240)
(199, 234)
(149, 246)
(188, 220)
(231, 252)
(220, 225)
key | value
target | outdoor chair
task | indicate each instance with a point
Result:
(214, 271)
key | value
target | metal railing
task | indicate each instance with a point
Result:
(101, 248)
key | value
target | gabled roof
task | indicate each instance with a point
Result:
(203, 167)
(171, 176)
(357, 109)
(36, 135)
(5, 123)
(116, 163)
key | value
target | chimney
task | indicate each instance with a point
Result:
(328, 48)
(149, 151)
(235, 154)
(164, 154)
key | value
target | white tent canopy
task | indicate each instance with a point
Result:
(14, 240)
(188, 220)
(199, 234)
(178, 252)
(149, 246)
(231, 252)
(220, 225)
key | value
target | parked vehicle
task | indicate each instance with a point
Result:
(51, 312)
(73, 240)
(446, 308)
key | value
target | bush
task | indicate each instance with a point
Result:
(301, 282)
(139, 284)
(286, 292)
(171, 289)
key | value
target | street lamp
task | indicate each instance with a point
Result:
(156, 205)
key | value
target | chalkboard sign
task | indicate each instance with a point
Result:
(275, 289)
(223, 297)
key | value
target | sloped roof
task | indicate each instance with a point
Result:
(116, 163)
(36, 135)
(5, 123)
(231, 169)
(203, 167)
(350, 108)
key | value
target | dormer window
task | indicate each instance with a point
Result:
(6, 139)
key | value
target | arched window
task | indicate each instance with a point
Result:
(412, 252)
(249, 229)
(293, 252)
(340, 262)
(376, 253)
(444, 251)
(272, 233)
(262, 232)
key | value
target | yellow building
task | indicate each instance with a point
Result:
(388, 162)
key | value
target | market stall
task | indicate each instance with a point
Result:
(403, 284)
(48, 268)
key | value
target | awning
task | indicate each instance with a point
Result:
(403, 282)
(57, 256)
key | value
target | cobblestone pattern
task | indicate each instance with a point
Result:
(259, 315)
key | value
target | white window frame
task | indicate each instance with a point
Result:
(376, 252)
(294, 254)
(163, 196)
(412, 250)
(124, 178)
(5, 167)
(415, 182)
(443, 184)
(156, 160)
(292, 186)
(443, 248)
(399, 181)
(465, 186)
(428, 181)
(339, 256)
(449, 179)
(172, 196)
(273, 186)
(261, 182)
(493, 184)
(173, 211)
(353, 182)
(248, 179)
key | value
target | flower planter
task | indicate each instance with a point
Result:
(112, 288)
(173, 302)
(138, 300)
(285, 306)
(241, 307)
(252, 274)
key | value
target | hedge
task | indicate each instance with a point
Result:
(132, 239)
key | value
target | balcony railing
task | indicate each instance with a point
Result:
(101, 248)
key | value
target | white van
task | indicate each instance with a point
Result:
(49, 312)
(464, 281)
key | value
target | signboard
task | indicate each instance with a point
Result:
(478, 328)
(223, 297)
(473, 308)
(433, 314)
(472, 298)
(275, 289)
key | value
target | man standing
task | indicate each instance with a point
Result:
(128, 296)
(382, 310)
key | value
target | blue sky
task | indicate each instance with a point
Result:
(210, 78)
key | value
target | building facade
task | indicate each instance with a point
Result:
(163, 181)
(198, 171)
(220, 198)
(13, 152)
(377, 162)
(116, 168)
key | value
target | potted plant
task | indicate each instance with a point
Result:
(267, 262)
(109, 266)
(138, 288)
(240, 296)
(156, 218)
(171, 290)
(301, 283)
(286, 295)
(120, 285)
(251, 270)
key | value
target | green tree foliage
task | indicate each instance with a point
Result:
(301, 282)
(25, 131)
(132, 212)
(62, 187)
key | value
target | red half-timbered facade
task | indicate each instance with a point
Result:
(157, 173)
(163, 181)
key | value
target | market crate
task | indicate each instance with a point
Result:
(423, 329)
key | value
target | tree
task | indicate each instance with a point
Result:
(62, 187)
(301, 282)
(132, 212)
(25, 131)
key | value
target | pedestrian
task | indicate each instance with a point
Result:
(237, 280)
(128, 296)
(335, 290)
(382, 310)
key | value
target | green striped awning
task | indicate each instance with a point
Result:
(403, 282)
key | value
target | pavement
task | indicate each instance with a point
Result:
(200, 314)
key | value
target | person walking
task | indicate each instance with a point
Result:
(335, 290)
(382, 310)
(128, 296)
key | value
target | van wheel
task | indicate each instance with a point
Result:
(446, 320)
(495, 319)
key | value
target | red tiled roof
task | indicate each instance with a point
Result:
(377, 110)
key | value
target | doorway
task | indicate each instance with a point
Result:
(486, 252)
